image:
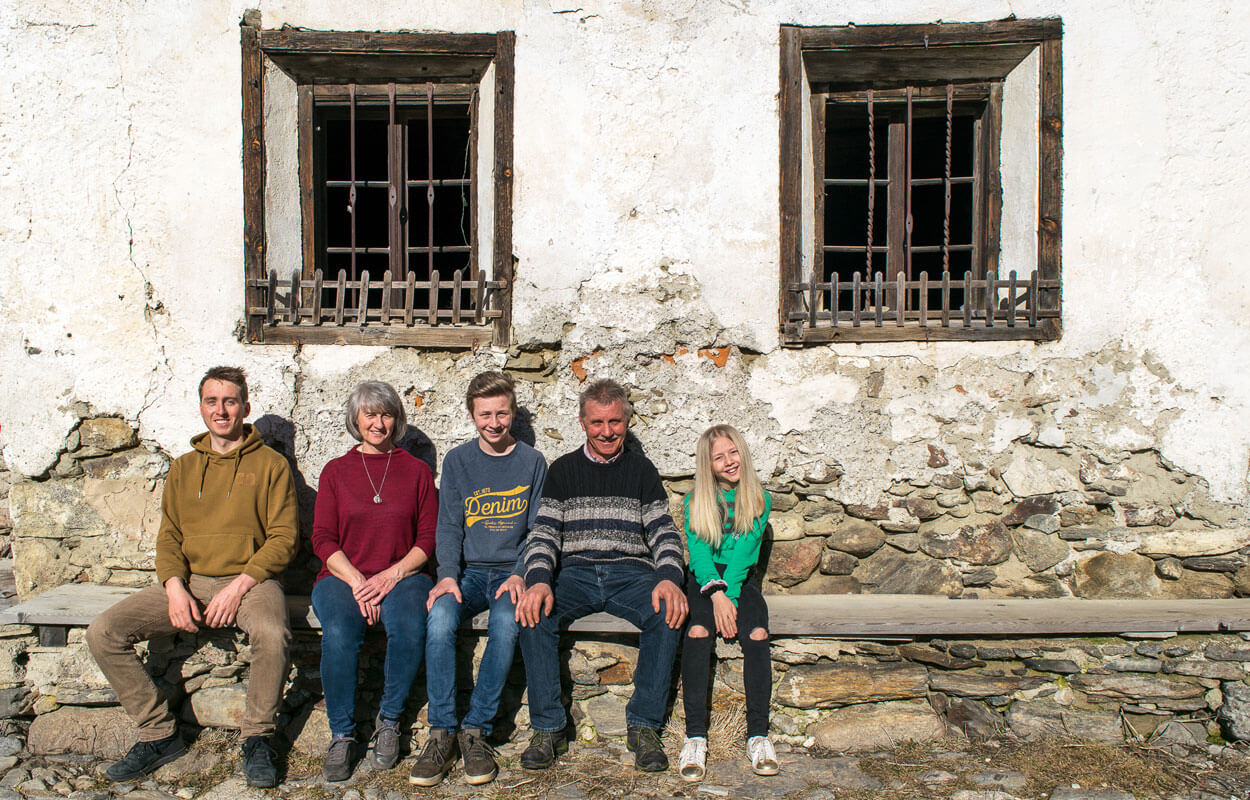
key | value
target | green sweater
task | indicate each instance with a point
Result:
(737, 553)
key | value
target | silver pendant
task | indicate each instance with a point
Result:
(377, 498)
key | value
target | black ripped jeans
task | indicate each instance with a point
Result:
(696, 659)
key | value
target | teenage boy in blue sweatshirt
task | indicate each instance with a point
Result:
(487, 505)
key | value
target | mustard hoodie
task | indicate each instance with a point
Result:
(227, 514)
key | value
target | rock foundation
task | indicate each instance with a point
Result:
(1048, 523)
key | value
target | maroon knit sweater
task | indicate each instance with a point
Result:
(374, 536)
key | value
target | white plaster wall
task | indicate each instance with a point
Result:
(645, 220)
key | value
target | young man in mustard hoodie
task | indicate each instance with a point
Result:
(229, 526)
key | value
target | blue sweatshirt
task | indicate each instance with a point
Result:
(486, 506)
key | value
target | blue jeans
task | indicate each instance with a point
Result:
(622, 591)
(477, 586)
(343, 631)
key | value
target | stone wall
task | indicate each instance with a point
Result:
(1044, 523)
(93, 518)
(831, 695)
(1052, 524)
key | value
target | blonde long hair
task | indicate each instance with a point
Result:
(706, 512)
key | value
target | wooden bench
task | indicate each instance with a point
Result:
(844, 616)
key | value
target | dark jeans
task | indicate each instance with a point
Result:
(622, 591)
(478, 586)
(342, 633)
(696, 660)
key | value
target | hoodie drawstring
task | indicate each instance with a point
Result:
(233, 475)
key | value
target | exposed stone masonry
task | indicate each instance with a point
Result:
(1051, 523)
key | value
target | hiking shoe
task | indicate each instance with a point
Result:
(763, 756)
(145, 757)
(648, 752)
(385, 743)
(692, 765)
(438, 756)
(543, 749)
(479, 757)
(340, 759)
(258, 765)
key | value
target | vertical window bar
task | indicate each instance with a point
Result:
(479, 291)
(429, 185)
(946, 219)
(351, 189)
(872, 183)
(394, 175)
(907, 190)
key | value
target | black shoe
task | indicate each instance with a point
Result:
(340, 759)
(435, 760)
(385, 743)
(145, 757)
(648, 752)
(258, 765)
(543, 749)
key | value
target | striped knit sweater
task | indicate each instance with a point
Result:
(593, 514)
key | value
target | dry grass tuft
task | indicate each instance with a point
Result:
(726, 729)
(1046, 764)
(1131, 768)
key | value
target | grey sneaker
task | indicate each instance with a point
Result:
(340, 759)
(479, 758)
(385, 743)
(436, 759)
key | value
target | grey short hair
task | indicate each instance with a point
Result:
(375, 396)
(605, 391)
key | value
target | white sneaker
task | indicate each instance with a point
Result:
(692, 764)
(763, 756)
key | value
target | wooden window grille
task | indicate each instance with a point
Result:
(906, 202)
(388, 176)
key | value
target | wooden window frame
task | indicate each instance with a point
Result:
(833, 60)
(316, 60)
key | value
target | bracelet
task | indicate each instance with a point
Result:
(712, 587)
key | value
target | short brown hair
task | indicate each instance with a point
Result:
(605, 391)
(375, 396)
(233, 375)
(490, 384)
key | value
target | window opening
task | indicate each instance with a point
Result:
(397, 190)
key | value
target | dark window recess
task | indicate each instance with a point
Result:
(905, 123)
(427, 147)
(936, 228)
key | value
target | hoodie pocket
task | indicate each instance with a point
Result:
(217, 554)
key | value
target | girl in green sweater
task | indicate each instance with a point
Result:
(726, 515)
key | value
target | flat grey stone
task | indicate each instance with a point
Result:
(1007, 780)
(1068, 793)
(982, 794)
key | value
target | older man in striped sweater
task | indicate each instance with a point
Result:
(603, 541)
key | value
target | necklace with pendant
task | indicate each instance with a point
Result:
(377, 490)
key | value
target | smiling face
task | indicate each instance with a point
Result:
(223, 410)
(726, 462)
(605, 425)
(377, 429)
(492, 416)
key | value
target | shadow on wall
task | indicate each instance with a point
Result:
(523, 426)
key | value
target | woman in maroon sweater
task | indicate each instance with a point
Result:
(374, 533)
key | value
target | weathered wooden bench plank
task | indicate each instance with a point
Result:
(845, 616)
